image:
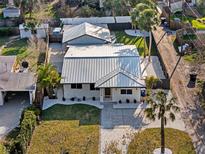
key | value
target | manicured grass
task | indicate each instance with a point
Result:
(148, 140)
(64, 136)
(199, 24)
(85, 114)
(67, 128)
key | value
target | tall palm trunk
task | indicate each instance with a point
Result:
(162, 136)
(144, 44)
(150, 45)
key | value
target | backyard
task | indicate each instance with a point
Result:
(71, 129)
(199, 24)
(24, 50)
(122, 37)
(148, 140)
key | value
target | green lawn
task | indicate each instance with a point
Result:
(72, 129)
(18, 47)
(199, 24)
(122, 37)
(149, 139)
(84, 113)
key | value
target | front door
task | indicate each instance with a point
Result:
(107, 93)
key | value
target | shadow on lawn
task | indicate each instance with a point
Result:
(87, 115)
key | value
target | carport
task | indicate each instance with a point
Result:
(11, 82)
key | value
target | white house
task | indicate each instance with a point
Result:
(40, 31)
(11, 12)
(108, 73)
(10, 80)
(85, 34)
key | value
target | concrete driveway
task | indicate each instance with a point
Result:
(10, 112)
(119, 125)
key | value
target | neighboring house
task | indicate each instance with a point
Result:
(40, 31)
(108, 72)
(11, 12)
(11, 80)
(176, 5)
(85, 34)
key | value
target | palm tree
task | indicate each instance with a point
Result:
(146, 18)
(48, 78)
(135, 19)
(163, 109)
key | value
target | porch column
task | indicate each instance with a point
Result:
(101, 94)
(31, 97)
(1, 99)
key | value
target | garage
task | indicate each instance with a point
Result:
(17, 86)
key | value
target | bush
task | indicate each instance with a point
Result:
(7, 31)
(27, 127)
(3, 149)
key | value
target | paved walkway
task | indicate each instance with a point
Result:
(187, 97)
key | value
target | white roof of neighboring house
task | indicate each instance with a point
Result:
(77, 31)
(104, 65)
(96, 20)
(6, 63)
(11, 81)
(12, 9)
(41, 26)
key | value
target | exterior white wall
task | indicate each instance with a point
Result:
(85, 40)
(1, 98)
(116, 95)
(79, 93)
(25, 33)
(41, 33)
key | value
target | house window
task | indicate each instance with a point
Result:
(126, 91)
(76, 86)
(92, 87)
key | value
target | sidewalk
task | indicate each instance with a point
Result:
(186, 97)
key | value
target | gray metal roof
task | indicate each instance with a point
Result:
(71, 33)
(103, 70)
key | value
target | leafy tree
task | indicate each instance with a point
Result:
(3, 149)
(162, 108)
(117, 7)
(26, 6)
(48, 78)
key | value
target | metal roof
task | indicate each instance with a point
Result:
(95, 31)
(96, 20)
(101, 69)
(11, 81)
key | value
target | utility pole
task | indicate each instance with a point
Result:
(169, 5)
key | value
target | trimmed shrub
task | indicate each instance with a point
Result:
(6, 31)
(27, 127)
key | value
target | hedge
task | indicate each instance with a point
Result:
(3, 149)
(19, 139)
(6, 31)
